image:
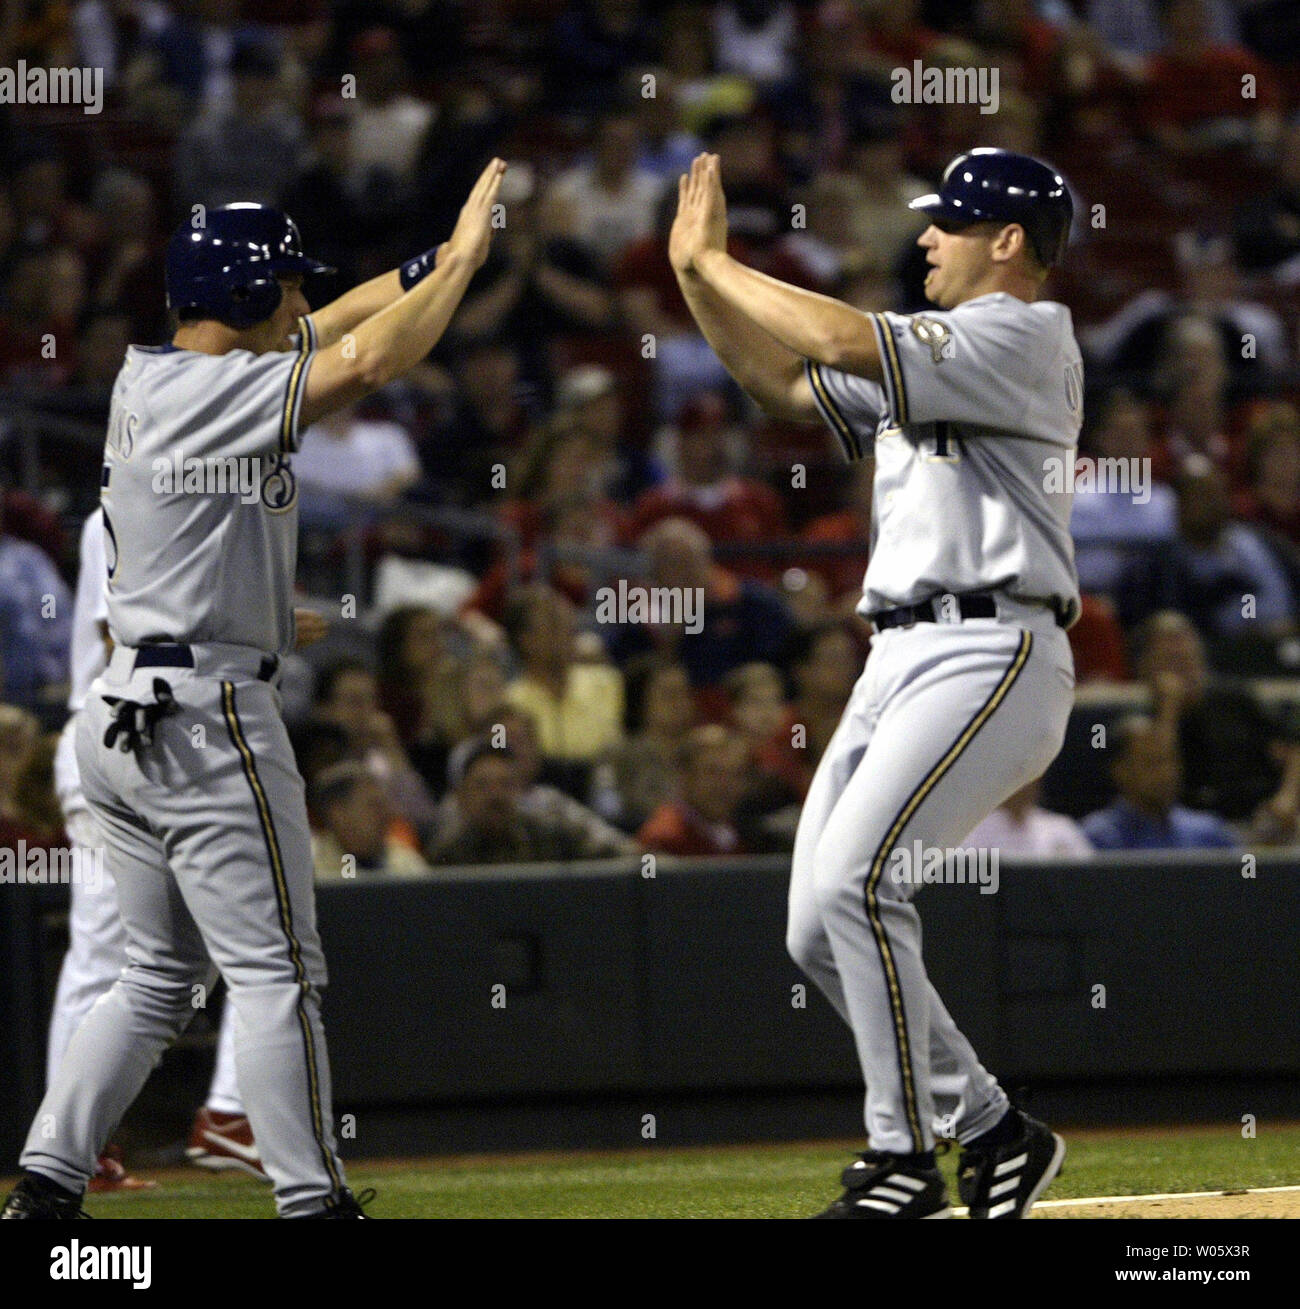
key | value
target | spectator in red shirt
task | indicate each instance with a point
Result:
(704, 489)
(850, 527)
(702, 821)
(1195, 97)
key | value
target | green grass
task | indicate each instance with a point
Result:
(732, 1182)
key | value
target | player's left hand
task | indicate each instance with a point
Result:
(308, 627)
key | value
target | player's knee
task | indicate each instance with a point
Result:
(176, 986)
(806, 941)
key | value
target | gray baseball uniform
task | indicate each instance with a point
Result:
(950, 716)
(205, 827)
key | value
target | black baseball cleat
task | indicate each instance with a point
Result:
(38, 1197)
(890, 1186)
(345, 1205)
(1005, 1178)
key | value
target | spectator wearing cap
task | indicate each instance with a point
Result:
(538, 798)
(590, 396)
(740, 620)
(351, 834)
(702, 821)
(248, 150)
(706, 489)
(1147, 771)
(1021, 828)
(491, 825)
(576, 706)
(608, 200)
(388, 123)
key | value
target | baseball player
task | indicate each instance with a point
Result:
(184, 759)
(96, 951)
(970, 589)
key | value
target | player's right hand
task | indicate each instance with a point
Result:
(473, 234)
(701, 222)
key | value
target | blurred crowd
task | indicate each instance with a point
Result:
(573, 431)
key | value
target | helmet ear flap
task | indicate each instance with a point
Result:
(254, 301)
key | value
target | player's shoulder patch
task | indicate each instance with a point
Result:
(935, 333)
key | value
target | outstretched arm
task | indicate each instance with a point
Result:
(771, 373)
(393, 340)
(813, 326)
(355, 306)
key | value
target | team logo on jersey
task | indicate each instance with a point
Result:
(931, 332)
(279, 487)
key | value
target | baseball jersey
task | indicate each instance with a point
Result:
(974, 432)
(200, 503)
(89, 609)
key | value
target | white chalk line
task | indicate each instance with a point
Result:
(1141, 1199)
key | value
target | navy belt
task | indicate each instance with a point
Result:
(167, 655)
(978, 605)
(974, 604)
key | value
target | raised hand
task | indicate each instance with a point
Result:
(473, 234)
(701, 222)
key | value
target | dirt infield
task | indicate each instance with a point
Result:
(1228, 1204)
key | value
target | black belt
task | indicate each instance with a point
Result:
(181, 656)
(974, 604)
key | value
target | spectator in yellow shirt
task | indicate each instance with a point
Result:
(576, 706)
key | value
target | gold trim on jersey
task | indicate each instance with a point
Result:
(293, 392)
(891, 369)
(285, 910)
(913, 803)
(830, 410)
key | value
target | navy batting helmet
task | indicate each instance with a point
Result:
(988, 185)
(227, 268)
